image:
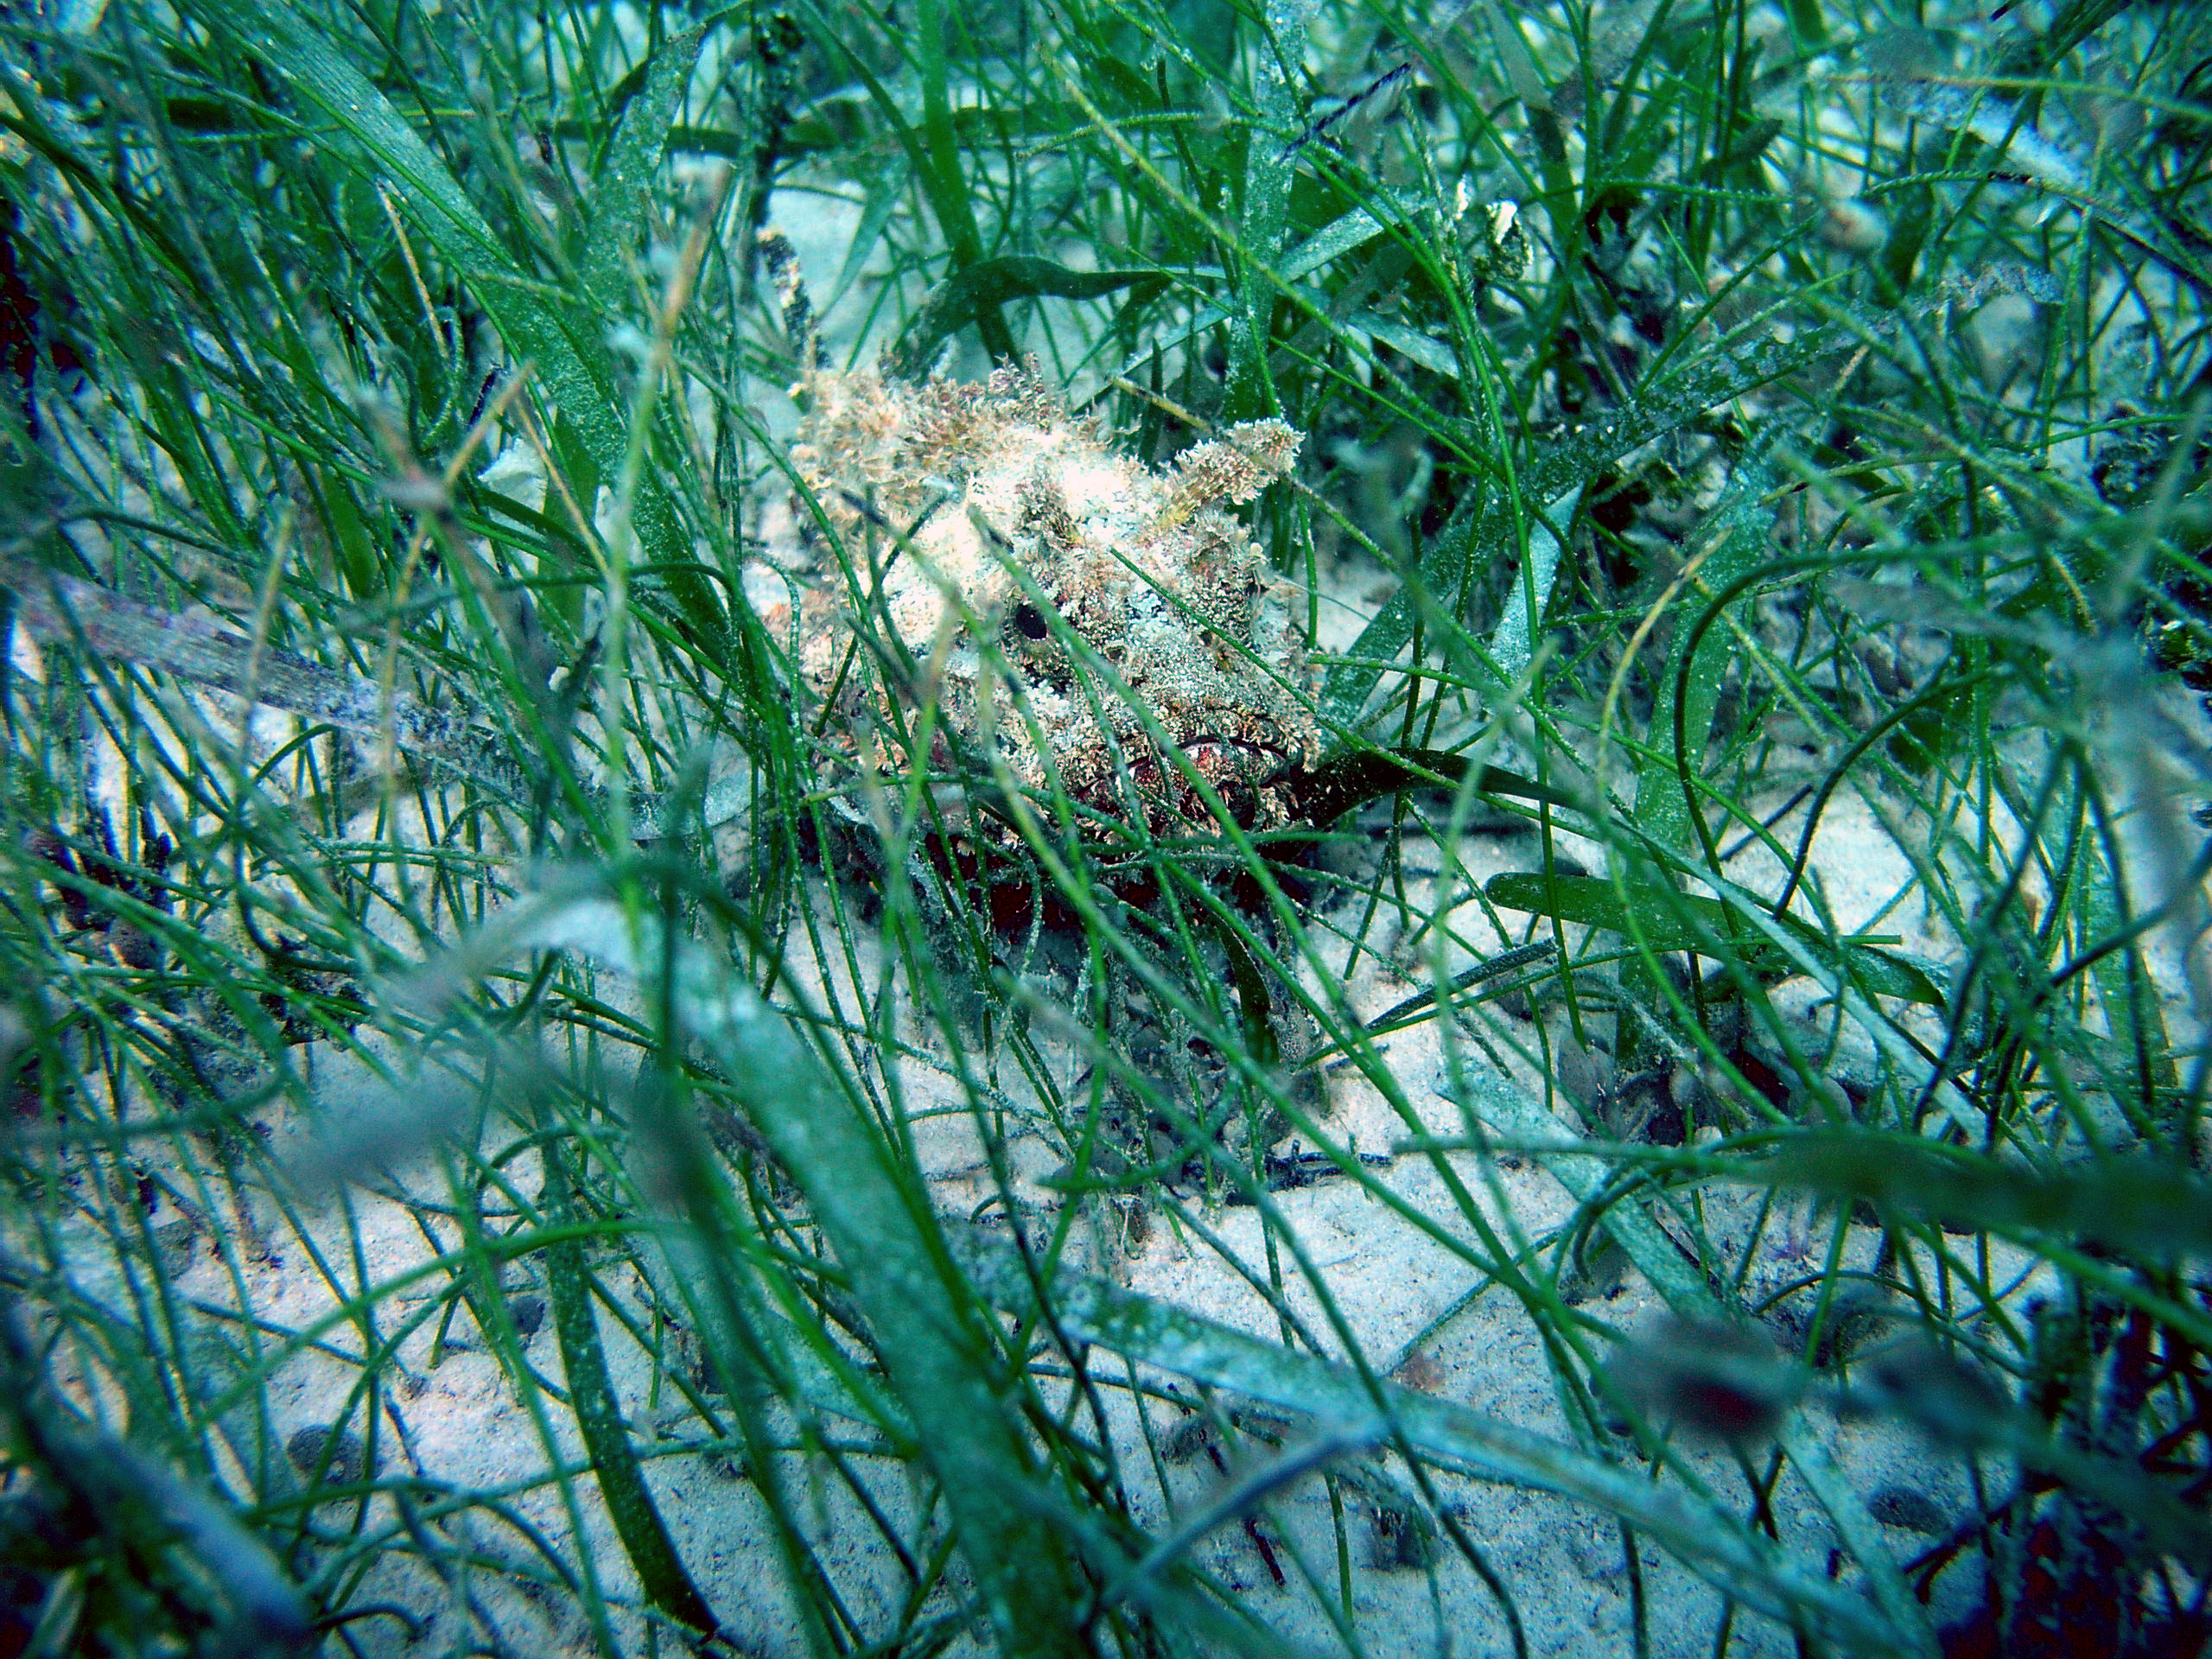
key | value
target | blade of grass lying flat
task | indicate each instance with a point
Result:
(569, 361)
(624, 192)
(1676, 921)
(937, 1349)
(55, 606)
(1706, 1539)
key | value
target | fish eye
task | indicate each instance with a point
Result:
(1032, 624)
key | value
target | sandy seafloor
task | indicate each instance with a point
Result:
(1563, 1563)
(461, 1424)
